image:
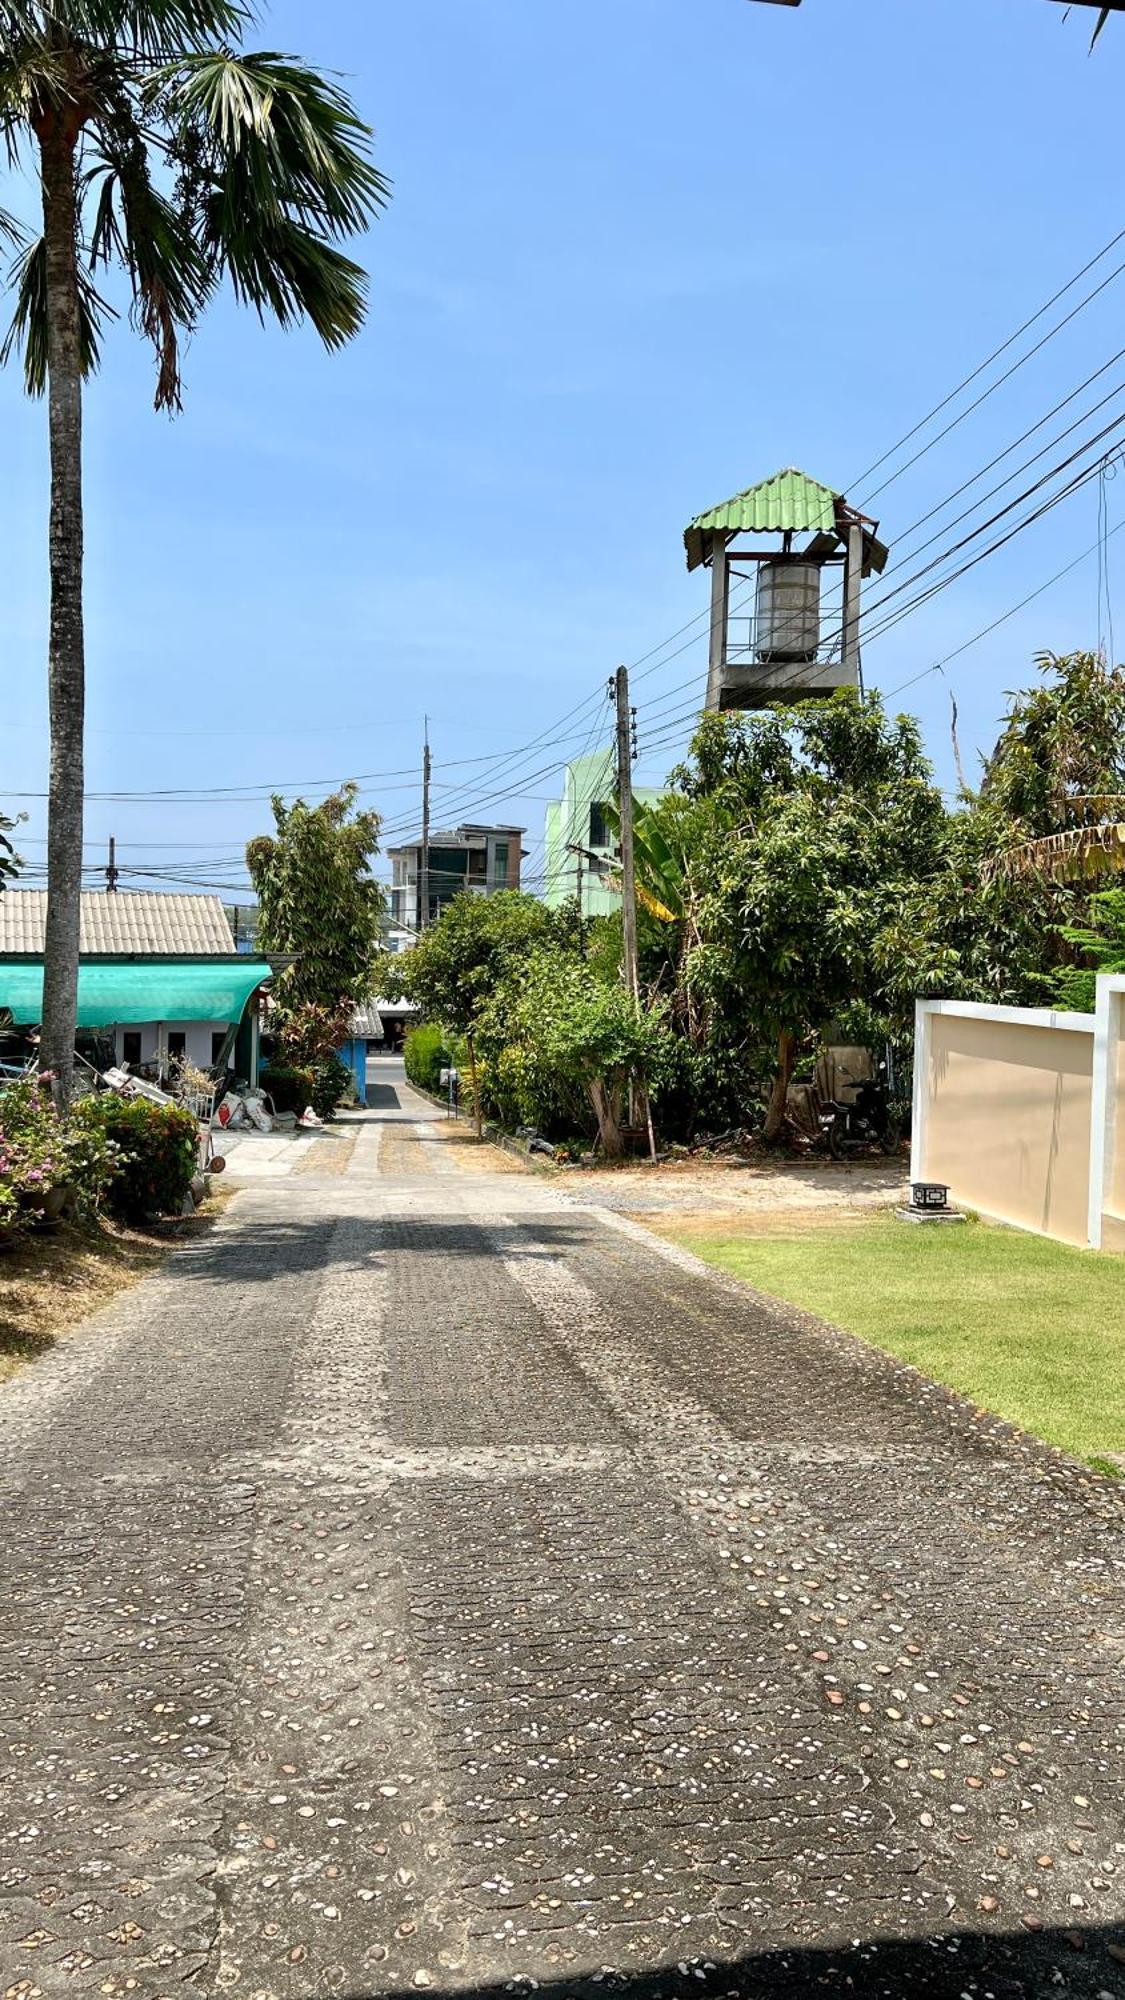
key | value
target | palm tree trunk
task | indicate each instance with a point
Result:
(66, 660)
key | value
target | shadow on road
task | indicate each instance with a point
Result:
(1076, 1964)
(385, 1097)
(259, 1252)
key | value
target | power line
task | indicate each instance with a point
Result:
(940, 665)
(507, 763)
(979, 370)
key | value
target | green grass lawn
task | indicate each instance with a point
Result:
(1020, 1325)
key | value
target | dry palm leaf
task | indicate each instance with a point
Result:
(1082, 854)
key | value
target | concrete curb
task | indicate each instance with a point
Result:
(491, 1133)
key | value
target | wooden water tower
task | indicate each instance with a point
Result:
(779, 630)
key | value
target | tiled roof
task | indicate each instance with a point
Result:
(129, 922)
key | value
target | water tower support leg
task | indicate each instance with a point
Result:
(853, 584)
(720, 613)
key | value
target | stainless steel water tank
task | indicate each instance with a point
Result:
(787, 622)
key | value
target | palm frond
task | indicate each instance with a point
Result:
(30, 72)
(1082, 854)
(1103, 17)
(283, 137)
(27, 333)
(155, 29)
(277, 163)
(134, 223)
(291, 272)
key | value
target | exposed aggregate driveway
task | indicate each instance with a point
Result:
(429, 1582)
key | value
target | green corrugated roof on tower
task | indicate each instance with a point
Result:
(789, 503)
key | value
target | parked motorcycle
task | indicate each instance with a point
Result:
(868, 1119)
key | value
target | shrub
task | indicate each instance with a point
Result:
(41, 1151)
(331, 1081)
(9, 1208)
(294, 1086)
(427, 1054)
(289, 1085)
(157, 1157)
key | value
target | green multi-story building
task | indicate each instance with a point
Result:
(580, 853)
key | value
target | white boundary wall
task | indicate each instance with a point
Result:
(1021, 1111)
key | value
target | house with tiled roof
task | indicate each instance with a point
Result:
(159, 978)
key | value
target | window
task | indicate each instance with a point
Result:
(599, 832)
(131, 1047)
(177, 1044)
(218, 1044)
(501, 863)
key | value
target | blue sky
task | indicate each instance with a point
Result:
(641, 253)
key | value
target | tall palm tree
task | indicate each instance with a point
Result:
(164, 149)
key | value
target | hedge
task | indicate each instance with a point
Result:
(427, 1054)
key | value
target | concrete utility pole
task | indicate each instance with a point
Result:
(620, 688)
(424, 865)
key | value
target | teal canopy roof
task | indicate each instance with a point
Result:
(113, 995)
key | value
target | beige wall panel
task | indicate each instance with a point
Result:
(1115, 1186)
(1008, 1121)
(1113, 1232)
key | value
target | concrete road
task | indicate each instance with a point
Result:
(430, 1584)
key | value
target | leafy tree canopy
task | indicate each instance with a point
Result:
(992, 922)
(816, 823)
(1060, 760)
(460, 962)
(556, 1032)
(319, 902)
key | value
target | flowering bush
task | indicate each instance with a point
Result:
(156, 1152)
(41, 1151)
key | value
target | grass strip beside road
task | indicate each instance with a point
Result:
(1024, 1327)
(50, 1284)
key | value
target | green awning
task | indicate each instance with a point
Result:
(116, 995)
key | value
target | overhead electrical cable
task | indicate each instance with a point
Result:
(974, 376)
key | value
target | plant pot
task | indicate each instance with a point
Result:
(54, 1205)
